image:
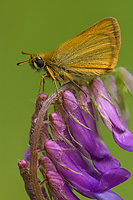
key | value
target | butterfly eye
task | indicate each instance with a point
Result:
(39, 62)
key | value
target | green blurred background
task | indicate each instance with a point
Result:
(42, 25)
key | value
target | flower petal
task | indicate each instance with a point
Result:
(58, 186)
(110, 179)
(110, 117)
(84, 136)
(123, 139)
(78, 178)
(62, 137)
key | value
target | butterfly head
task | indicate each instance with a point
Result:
(36, 61)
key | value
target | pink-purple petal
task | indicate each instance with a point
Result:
(109, 115)
(123, 139)
(58, 186)
(84, 136)
(78, 178)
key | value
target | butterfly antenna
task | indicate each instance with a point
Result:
(24, 52)
(20, 63)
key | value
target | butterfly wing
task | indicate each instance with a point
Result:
(93, 52)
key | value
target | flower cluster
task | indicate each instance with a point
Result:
(66, 146)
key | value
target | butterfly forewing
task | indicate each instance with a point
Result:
(109, 25)
(95, 48)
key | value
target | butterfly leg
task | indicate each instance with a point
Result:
(52, 76)
(42, 83)
(70, 79)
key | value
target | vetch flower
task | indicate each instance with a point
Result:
(124, 80)
(27, 154)
(118, 99)
(55, 183)
(125, 77)
(98, 152)
(60, 189)
(78, 178)
(62, 137)
(110, 117)
(24, 171)
(66, 145)
(41, 98)
(58, 186)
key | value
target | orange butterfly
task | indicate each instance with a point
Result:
(90, 54)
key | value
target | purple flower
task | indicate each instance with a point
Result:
(27, 154)
(110, 117)
(78, 178)
(62, 137)
(41, 98)
(58, 186)
(66, 146)
(125, 77)
(25, 173)
(99, 153)
(55, 183)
